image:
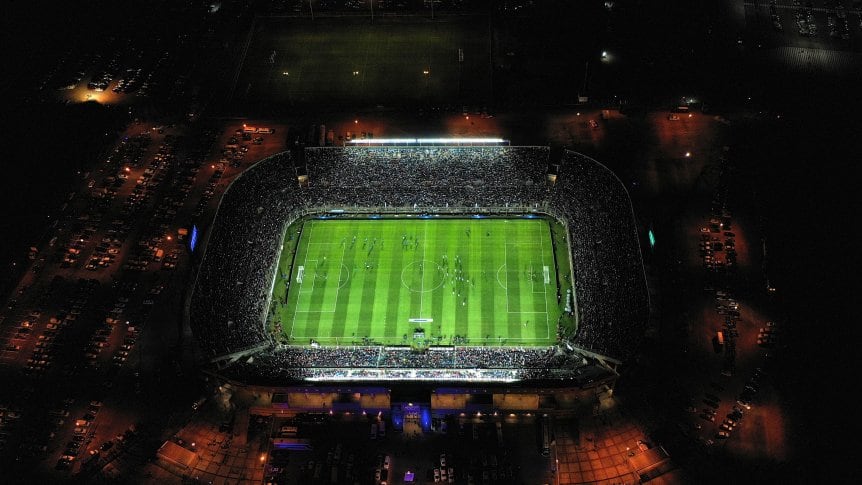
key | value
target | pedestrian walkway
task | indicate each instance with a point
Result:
(596, 449)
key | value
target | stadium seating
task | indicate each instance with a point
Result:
(230, 300)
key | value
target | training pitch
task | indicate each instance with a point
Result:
(352, 60)
(418, 282)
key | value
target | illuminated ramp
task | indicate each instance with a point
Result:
(176, 455)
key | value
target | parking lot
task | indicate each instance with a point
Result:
(103, 277)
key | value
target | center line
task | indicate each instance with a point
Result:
(422, 272)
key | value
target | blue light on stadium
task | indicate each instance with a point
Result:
(529, 216)
(193, 239)
(651, 239)
(425, 419)
(374, 216)
(478, 216)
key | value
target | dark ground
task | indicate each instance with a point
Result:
(803, 167)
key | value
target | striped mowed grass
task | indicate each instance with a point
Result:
(474, 281)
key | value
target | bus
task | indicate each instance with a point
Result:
(546, 436)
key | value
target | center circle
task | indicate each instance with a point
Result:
(422, 276)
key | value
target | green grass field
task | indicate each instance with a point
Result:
(351, 60)
(493, 281)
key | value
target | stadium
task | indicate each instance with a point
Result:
(439, 261)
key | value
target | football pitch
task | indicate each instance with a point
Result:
(351, 60)
(418, 282)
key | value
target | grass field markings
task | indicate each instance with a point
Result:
(314, 279)
(498, 277)
(422, 267)
(338, 288)
(347, 277)
(422, 288)
(505, 265)
(544, 287)
(345, 269)
(305, 258)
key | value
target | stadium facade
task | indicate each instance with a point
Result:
(230, 299)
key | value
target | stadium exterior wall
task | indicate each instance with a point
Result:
(203, 323)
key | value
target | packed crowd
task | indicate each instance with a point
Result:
(300, 357)
(610, 285)
(230, 298)
(428, 166)
(229, 304)
(284, 363)
(427, 177)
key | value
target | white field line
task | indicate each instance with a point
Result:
(545, 287)
(337, 289)
(304, 263)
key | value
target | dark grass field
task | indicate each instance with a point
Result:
(492, 281)
(355, 62)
